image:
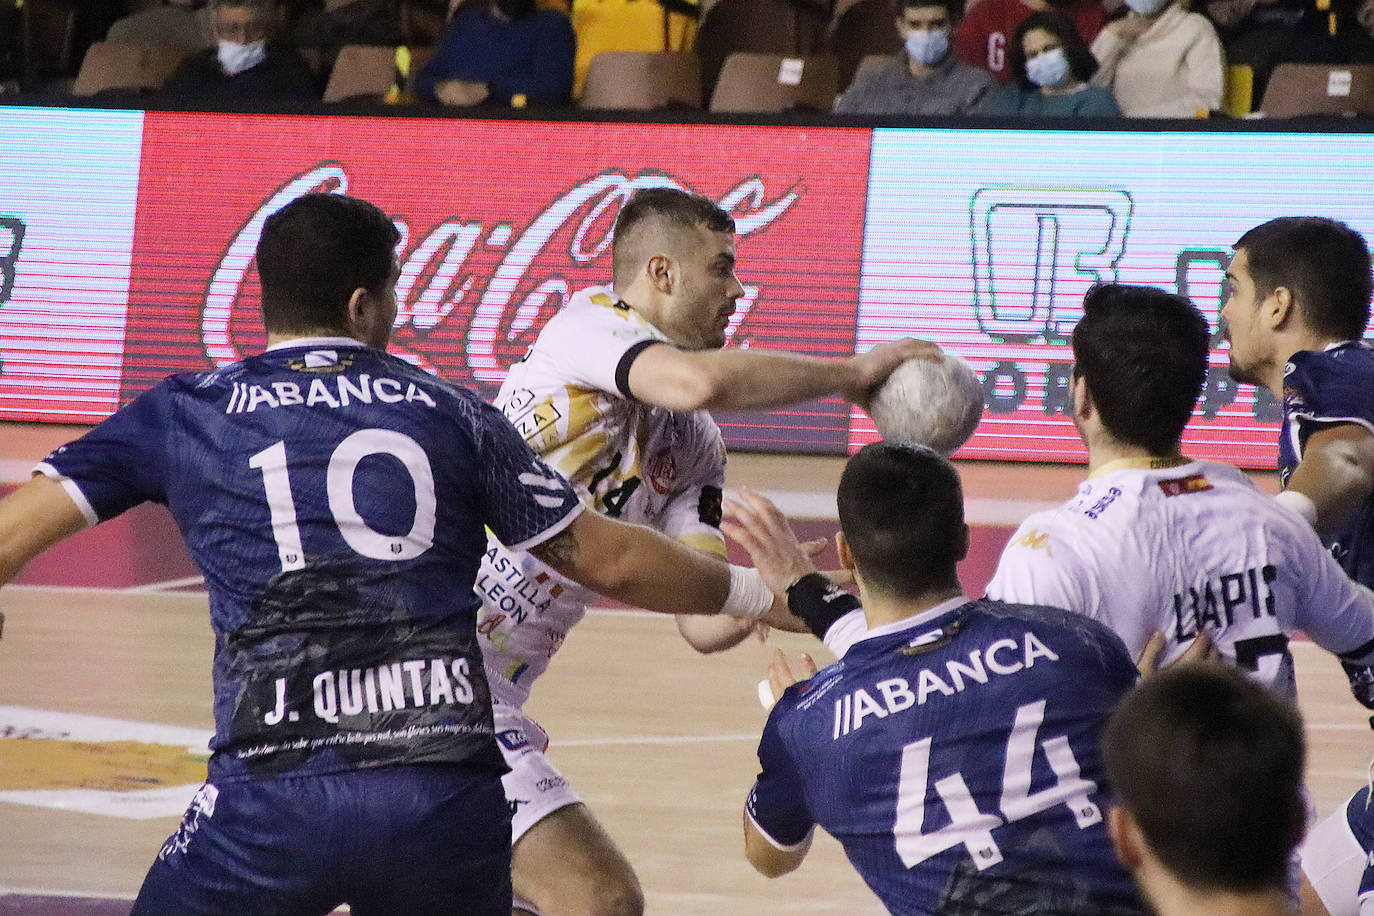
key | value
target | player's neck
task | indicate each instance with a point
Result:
(1294, 343)
(881, 609)
(1105, 451)
(1170, 897)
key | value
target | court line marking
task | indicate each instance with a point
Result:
(54, 892)
(166, 585)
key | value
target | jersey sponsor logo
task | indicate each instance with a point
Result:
(1185, 485)
(1002, 657)
(1033, 540)
(1103, 502)
(661, 471)
(512, 739)
(503, 586)
(528, 416)
(322, 361)
(246, 398)
(1215, 604)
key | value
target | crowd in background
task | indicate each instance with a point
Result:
(1029, 58)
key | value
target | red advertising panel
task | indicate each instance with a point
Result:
(501, 221)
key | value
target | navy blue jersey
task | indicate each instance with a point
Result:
(1323, 389)
(335, 498)
(955, 757)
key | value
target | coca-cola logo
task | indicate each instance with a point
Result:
(479, 288)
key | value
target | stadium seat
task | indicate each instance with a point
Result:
(111, 66)
(629, 25)
(368, 71)
(860, 29)
(792, 27)
(642, 81)
(776, 82)
(1319, 89)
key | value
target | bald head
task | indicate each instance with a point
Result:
(660, 221)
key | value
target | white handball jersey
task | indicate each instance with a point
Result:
(569, 397)
(1183, 548)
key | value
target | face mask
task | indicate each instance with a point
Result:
(236, 58)
(1146, 8)
(927, 46)
(1048, 69)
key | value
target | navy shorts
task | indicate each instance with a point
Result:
(406, 839)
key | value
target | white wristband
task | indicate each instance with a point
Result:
(1299, 503)
(750, 597)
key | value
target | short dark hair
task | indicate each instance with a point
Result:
(1322, 261)
(955, 8)
(672, 205)
(1082, 64)
(901, 509)
(1210, 766)
(1143, 353)
(312, 255)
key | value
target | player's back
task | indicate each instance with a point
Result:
(957, 761)
(1321, 389)
(1184, 549)
(334, 498)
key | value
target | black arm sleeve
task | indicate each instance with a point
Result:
(819, 602)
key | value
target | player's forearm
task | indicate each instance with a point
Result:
(714, 632)
(747, 380)
(638, 565)
(1338, 477)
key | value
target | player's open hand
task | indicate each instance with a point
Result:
(760, 528)
(1201, 649)
(782, 674)
(872, 368)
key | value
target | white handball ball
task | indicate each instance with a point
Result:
(935, 403)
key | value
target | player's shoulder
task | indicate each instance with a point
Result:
(592, 312)
(1334, 380)
(1052, 627)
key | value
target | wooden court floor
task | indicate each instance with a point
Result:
(659, 741)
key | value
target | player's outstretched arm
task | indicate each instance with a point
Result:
(1336, 473)
(666, 376)
(640, 566)
(33, 518)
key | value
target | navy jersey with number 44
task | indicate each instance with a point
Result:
(955, 757)
(335, 498)
(1321, 389)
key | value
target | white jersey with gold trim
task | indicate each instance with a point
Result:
(1181, 548)
(569, 398)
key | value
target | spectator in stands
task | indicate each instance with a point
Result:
(504, 51)
(1161, 61)
(326, 26)
(981, 39)
(245, 64)
(925, 78)
(1208, 768)
(188, 24)
(1050, 66)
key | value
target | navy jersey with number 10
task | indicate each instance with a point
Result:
(335, 498)
(955, 757)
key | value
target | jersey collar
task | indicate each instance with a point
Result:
(1146, 464)
(335, 343)
(916, 620)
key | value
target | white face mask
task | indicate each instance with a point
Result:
(236, 58)
(1048, 69)
(927, 46)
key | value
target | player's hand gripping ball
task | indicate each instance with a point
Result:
(935, 403)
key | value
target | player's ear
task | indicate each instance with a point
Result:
(660, 271)
(1125, 837)
(1279, 306)
(356, 314)
(842, 548)
(1082, 399)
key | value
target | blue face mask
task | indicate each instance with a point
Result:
(1048, 69)
(927, 46)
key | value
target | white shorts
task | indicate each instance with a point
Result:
(534, 787)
